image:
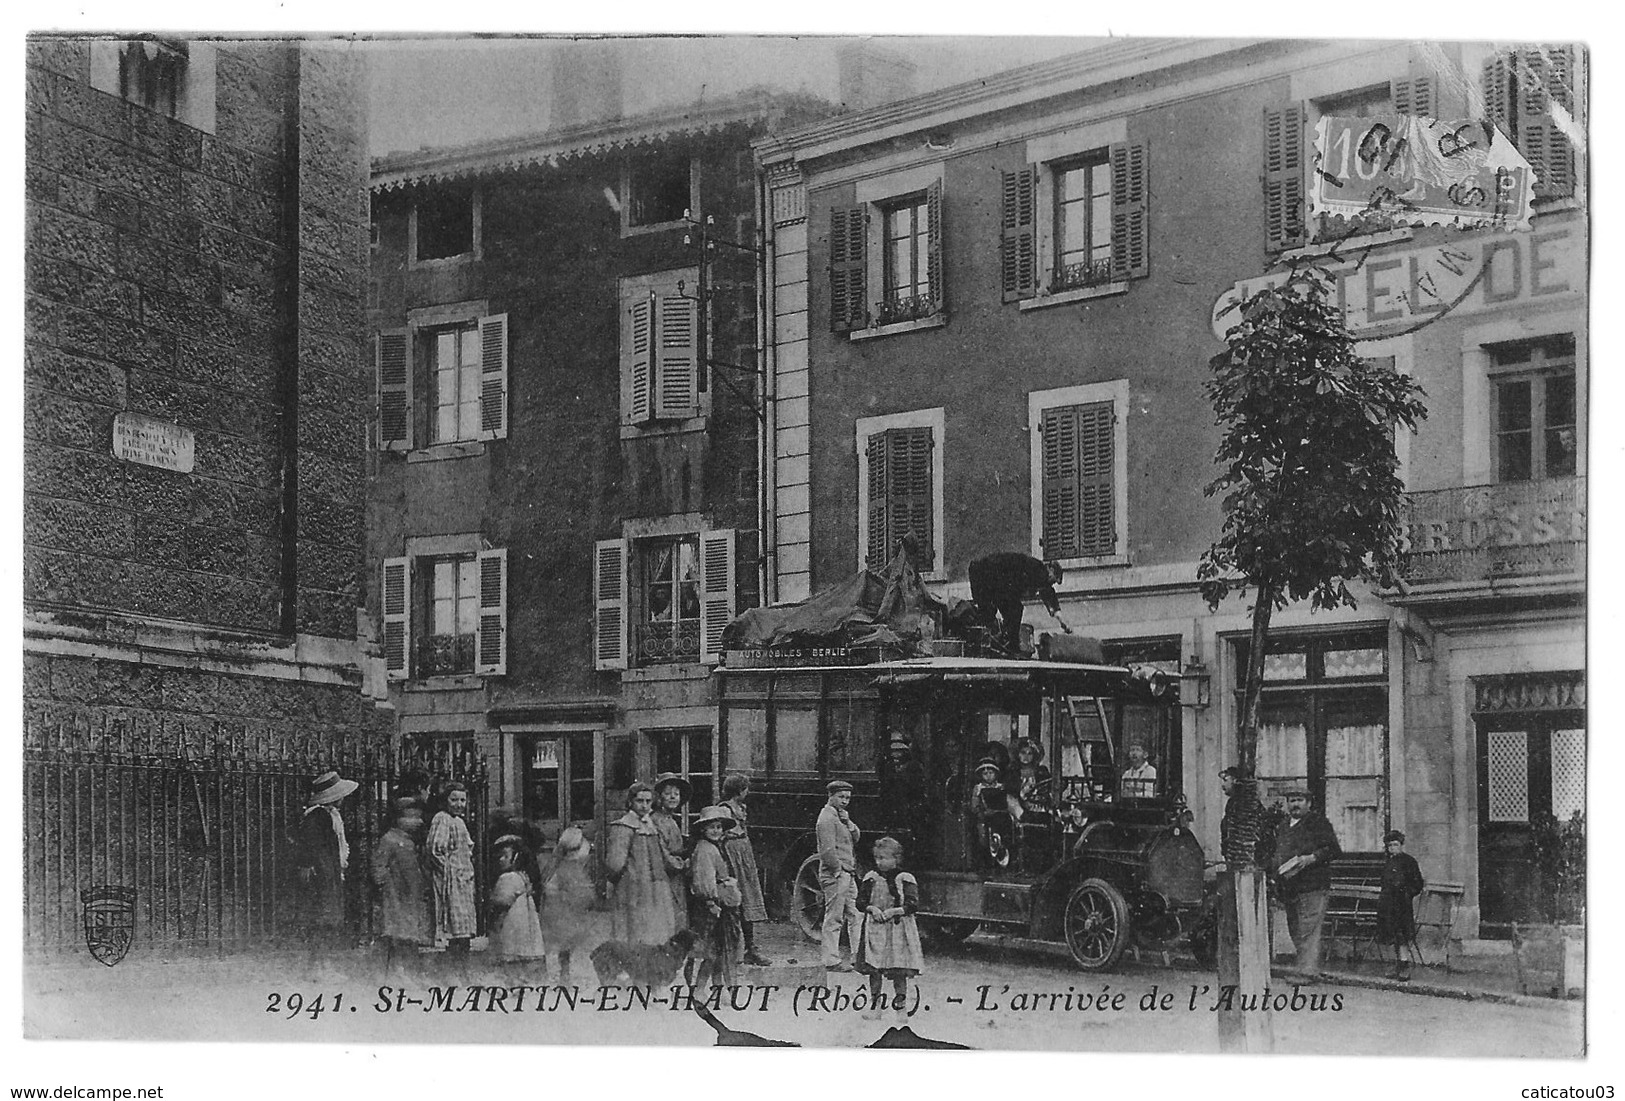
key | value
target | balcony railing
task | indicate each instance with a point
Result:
(445, 655)
(1492, 532)
(1086, 273)
(665, 642)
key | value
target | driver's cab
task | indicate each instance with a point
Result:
(1113, 752)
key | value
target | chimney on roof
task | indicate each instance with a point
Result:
(587, 82)
(868, 75)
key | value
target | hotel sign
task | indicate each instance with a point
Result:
(152, 442)
(1389, 291)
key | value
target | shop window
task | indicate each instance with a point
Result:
(690, 753)
(1323, 726)
(556, 786)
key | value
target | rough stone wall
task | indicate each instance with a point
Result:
(122, 708)
(157, 265)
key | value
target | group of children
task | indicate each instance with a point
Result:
(425, 889)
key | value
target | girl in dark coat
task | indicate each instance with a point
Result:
(1401, 883)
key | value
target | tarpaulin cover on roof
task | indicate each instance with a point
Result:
(890, 607)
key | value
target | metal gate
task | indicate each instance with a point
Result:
(205, 843)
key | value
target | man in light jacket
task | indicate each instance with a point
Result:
(837, 875)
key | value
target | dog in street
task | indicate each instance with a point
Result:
(645, 964)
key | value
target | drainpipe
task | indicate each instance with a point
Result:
(766, 452)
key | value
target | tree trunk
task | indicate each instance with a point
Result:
(1244, 913)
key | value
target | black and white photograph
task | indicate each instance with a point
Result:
(992, 542)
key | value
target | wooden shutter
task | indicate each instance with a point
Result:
(1414, 96)
(610, 605)
(1018, 263)
(392, 360)
(1058, 432)
(677, 357)
(491, 634)
(901, 497)
(717, 583)
(494, 377)
(1545, 76)
(637, 360)
(1131, 204)
(396, 592)
(1079, 483)
(1283, 177)
(934, 269)
(848, 262)
(879, 537)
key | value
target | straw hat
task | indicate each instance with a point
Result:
(327, 788)
(712, 814)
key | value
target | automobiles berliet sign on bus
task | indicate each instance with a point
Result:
(626, 594)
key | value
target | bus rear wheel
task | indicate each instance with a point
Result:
(807, 901)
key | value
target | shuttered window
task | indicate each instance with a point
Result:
(848, 264)
(491, 635)
(1528, 92)
(459, 605)
(1283, 177)
(397, 616)
(1079, 490)
(609, 604)
(1018, 248)
(660, 355)
(900, 494)
(392, 362)
(1131, 201)
(717, 583)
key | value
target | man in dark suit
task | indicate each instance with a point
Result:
(1000, 583)
(1304, 850)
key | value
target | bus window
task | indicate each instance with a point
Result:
(796, 739)
(747, 739)
(851, 734)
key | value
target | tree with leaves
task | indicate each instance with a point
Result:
(1309, 482)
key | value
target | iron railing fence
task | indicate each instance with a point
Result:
(206, 843)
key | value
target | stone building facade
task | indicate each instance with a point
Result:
(194, 403)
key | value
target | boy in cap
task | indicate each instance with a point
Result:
(1400, 884)
(837, 873)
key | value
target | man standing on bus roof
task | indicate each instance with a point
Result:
(837, 875)
(999, 583)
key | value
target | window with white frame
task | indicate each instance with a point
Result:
(442, 379)
(1078, 471)
(900, 480)
(172, 77)
(662, 599)
(661, 348)
(1077, 221)
(885, 253)
(445, 609)
(445, 224)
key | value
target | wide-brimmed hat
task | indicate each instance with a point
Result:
(988, 762)
(672, 778)
(709, 815)
(327, 788)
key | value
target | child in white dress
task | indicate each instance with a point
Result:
(889, 936)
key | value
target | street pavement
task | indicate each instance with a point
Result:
(988, 993)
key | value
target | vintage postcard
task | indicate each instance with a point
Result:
(1047, 544)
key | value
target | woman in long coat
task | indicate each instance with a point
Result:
(737, 848)
(321, 858)
(671, 793)
(637, 863)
